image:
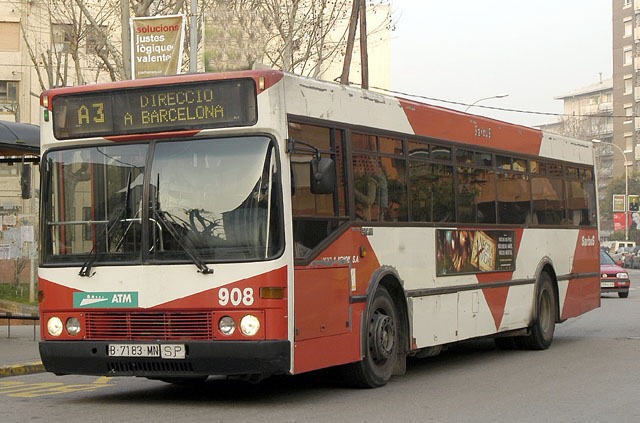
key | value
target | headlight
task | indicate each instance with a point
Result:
(73, 326)
(227, 325)
(622, 275)
(54, 326)
(250, 325)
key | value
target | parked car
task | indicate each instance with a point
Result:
(619, 255)
(613, 278)
(614, 246)
(630, 258)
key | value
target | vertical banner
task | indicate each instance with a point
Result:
(156, 45)
(618, 221)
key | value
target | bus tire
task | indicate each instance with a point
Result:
(543, 327)
(382, 344)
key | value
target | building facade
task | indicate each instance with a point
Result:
(626, 82)
(588, 115)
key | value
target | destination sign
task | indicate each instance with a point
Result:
(158, 108)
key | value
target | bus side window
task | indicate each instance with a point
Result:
(315, 216)
(514, 198)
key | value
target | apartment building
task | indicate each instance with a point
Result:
(587, 115)
(626, 82)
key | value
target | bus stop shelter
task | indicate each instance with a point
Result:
(19, 142)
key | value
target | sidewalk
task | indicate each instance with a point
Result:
(19, 355)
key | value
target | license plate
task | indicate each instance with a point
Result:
(607, 284)
(168, 351)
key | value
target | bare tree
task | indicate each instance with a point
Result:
(81, 40)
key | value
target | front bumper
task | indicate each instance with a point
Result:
(614, 285)
(202, 358)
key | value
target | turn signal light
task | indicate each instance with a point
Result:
(272, 293)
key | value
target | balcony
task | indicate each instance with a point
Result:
(605, 107)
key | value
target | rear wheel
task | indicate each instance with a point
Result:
(623, 294)
(544, 325)
(382, 344)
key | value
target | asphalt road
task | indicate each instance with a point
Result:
(590, 374)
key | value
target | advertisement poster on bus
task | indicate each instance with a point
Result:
(474, 251)
(156, 45)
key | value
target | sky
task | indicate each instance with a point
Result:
(533, 50)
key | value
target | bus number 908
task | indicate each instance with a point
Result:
(235, 296)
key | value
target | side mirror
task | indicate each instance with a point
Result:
(322, 176)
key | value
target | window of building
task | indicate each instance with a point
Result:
(95, 40)
(628, 56)
(628, 85)
(628, 142)
(62, 37)
(628, 113)
(8, 96)
(628, 3)
(10, 40)
(628, 29)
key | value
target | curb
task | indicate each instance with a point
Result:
(22, 369)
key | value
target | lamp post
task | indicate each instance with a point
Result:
(626, 187)
(486, 98)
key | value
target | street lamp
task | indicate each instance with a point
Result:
(486, 98)
(626, 186)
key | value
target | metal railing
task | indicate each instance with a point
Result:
(10, 316)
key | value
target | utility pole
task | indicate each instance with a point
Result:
(364, 56)
(353, 22)
(193, 39)
(125, 17)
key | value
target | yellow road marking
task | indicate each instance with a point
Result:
(41, 389)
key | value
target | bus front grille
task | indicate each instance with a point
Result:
(143, 367)
(149, 326)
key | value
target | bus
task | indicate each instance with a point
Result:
(258, 223)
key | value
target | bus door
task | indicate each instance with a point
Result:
(322, 284)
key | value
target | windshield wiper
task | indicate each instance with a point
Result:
(159, 215)
(85, 270)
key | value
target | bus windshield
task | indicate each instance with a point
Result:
(200, 200)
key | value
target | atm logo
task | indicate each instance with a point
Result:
(105, 299)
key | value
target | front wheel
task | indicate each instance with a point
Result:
(623, 294)
(382, 346)
(544, 325)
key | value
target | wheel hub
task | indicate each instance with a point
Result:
(381, 336)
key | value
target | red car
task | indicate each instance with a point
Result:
(613, 278)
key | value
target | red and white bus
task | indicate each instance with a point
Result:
(260, 223)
